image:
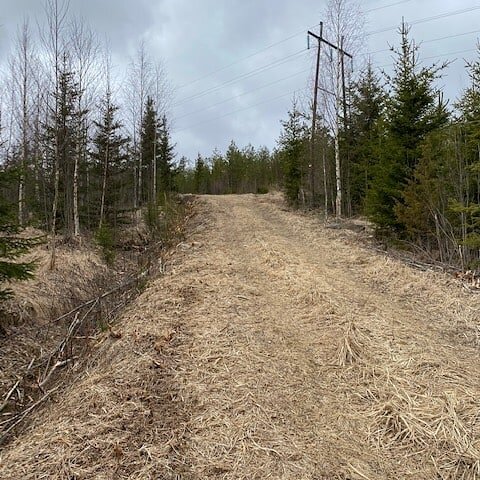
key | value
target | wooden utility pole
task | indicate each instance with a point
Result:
(314, 115)
(345, 126)
(342, 53)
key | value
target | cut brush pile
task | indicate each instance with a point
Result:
(272, 348)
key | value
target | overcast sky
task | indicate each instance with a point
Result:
(209, 47)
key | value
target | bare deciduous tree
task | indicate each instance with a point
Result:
(344, 28)
(84, 52)
(54, 43)
(140, 85)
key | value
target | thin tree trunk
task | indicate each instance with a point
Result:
(154, 167)
(54, 208)
(338, 169)
(325, 186)
(36, 155)
(104, 187)
(139, 188)
(78, 153)
(21, 186)
(76, 219)
(56, 31)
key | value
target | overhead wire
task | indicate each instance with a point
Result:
(241, 109)
(427, 19)
(242, 59)
(244, 93)
(470, 50)
(386, 6)
(427, 41)
(251, 73)
(296, 54)
(284, 59)
(283, 40)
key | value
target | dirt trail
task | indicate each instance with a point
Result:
(276, 349)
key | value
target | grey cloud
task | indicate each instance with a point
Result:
(195, 38)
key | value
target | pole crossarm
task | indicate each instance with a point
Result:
(321, 39)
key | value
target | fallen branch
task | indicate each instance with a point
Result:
(19, 417)
(57, 365)
(14, 388)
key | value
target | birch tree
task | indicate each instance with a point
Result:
(139, 86)
(53, 41)
(21, 83)
(344, 28)
(84, 50)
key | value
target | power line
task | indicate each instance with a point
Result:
(240, 110)
(290, 93)
(242, 59)
(427, 41)
(387, 6)
(428, 19)
(243, 94)
(286, 39)
(296, 54)
(434, 56)
(256, 71)
(280, 61)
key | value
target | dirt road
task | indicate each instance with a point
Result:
(273, 348)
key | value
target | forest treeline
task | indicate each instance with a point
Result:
(79, 152)
(410, 162)
(82, 152)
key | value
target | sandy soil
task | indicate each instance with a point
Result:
(273, 348)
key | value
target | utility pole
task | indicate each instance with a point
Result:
(345, 126)
(342, 60)
(341, 53)
(314, 115)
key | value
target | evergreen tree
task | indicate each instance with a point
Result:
(11, 246)
(292, 143)
(367, 109)
(201, 176)
(219, 174)
(236, 168)
(110, 163)
(465, 203)
(183, 177)
(469, 103)
(414, 110)
(61, 142)
(166, 156)
(149, 153)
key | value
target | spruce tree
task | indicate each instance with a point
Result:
(236, 168)
(61, 142)
(292, 145)
(466, 203)
(414, 109)
(201, 176)
(11, 245)
(165, 158)
(219, 174)
(367, 109)
(149, 153)
(109, 163)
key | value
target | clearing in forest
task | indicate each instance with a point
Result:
(272, 348)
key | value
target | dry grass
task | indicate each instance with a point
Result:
(272, 349)
(353, 345)
(431, 426)
(78, 275)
